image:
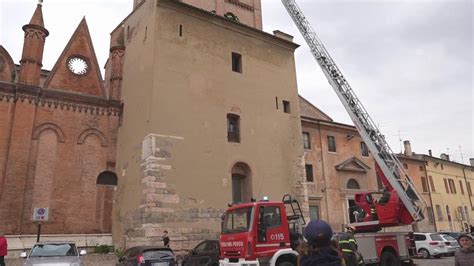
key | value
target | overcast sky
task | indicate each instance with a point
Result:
(409, 62)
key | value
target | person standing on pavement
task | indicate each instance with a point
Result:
(465, 255)
(349, 247)
(317, 250)
(166, 239)
(3, 249)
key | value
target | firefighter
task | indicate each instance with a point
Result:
(348, 245)
(317, 250)
(373, 212)
(385, 197)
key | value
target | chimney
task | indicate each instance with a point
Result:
(444, 156)
(283, 35)
(407, 146)
(471, 160)
(136, 3)
(430, 153)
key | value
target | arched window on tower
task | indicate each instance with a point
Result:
(107, 178)
(353, 184)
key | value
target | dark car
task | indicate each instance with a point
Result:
(148, 256)
(205, 253)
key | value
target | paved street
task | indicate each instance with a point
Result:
(106, 260)
(446, 261)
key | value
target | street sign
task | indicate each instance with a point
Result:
(40, 214)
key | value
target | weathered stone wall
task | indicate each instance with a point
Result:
(161, 207)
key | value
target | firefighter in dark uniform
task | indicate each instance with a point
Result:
(348, 245)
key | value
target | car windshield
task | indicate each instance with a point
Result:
(436, 237)
(237, 221)
(54, 250)
(154, 254)
(449, 238)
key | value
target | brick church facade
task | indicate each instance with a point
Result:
(58, 133)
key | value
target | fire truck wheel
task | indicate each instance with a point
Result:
(425, 254)
(285, 263)
(389, 259)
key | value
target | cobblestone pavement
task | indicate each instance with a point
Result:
(445, 261)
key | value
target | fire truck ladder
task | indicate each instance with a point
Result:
(375, 141)
(294, 214)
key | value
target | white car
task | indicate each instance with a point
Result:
(430, 245)
(451, 243)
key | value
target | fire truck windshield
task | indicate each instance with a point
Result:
(237, 221)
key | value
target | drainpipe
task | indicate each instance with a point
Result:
(431, 199)
(469, 196)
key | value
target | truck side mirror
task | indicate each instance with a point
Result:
(262, 230)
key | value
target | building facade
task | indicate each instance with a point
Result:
(210, 118)
(58, 133)
(450, 184)
(338, 165)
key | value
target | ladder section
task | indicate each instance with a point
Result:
(375, 141)
(293, 209)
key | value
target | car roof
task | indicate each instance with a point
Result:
(150, 247)
(55, 242)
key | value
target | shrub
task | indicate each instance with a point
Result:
(102, 249)
(119, 253)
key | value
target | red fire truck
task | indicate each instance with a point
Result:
(265, 232)
(268, 232)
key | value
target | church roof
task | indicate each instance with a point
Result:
(307, 109)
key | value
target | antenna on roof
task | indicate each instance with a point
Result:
(460, 152)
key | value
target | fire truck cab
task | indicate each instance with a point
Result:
(261, 232)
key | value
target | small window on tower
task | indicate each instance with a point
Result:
(286, 107)
(233, 128)
(236, 62)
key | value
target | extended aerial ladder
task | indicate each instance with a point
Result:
(405, 205)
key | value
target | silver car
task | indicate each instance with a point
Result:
(53, 253)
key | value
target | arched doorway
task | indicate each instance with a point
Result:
(241, 183)
(107, 178)
(106, 183)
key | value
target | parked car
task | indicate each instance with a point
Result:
(430, 244)
(205, 253)
(451, 243)
(53, 252)
(148, 255)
